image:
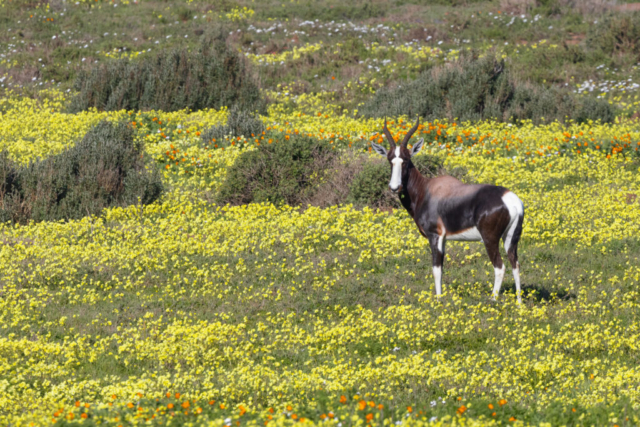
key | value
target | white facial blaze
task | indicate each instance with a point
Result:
(396, 171)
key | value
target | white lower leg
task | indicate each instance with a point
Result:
(498, 282)
(437, 276)
(516, 277)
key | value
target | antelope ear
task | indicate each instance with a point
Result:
(417, 147)
(379, 149)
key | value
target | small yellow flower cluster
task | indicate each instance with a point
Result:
(416, 53)
(239, 14)
(120, 54)
(290, 55)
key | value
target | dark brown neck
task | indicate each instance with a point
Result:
(414, 186)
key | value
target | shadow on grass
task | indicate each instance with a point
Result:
(540, 293)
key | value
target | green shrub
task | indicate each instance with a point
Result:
(213, 76)
(428, 166)
(105, 169)
(480, 89)
(594, 109)
(326, 11)
(239, 123)
(370, 186)
(616, 34)
(285, 171)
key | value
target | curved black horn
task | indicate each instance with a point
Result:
(392, 143)
(409, 134)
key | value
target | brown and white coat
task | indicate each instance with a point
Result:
(444, 208)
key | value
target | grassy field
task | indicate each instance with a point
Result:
(188, 312)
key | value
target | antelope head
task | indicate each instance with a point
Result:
(399, 156)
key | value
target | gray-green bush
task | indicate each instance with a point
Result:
(370, 186)
(239, 123)
(212, 76)
(284, 171)
(106, 168)
(479, 89)
(616, 34)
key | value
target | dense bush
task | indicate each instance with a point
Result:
(616, 34)
(478, 89)
(370, 186)
(283, 171)
(105, 169)
(327, 11)
(239, 123)
(212, 76)
(304, 170)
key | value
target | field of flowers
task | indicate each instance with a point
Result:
(184, 311)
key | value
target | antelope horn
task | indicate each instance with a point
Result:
(409, 134)
(392, 143)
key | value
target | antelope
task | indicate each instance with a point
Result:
(444, 209)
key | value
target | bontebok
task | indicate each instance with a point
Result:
(444, 209)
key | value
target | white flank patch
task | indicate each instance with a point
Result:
(516, 210)
(396, 171)
(469, 235)
(437, 275)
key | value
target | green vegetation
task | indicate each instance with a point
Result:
(557, 44)
(213, 297)
(480, 89)
(284, 169)
(370, 185)
(239, 123)
(105, 169)
(213, 76)
(616, 35)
